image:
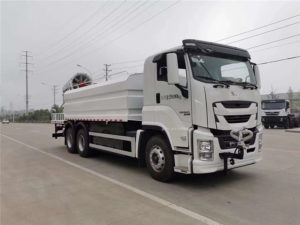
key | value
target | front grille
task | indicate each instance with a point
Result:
(237, 119)
(236, 104)
(272, 113)
(227, 142)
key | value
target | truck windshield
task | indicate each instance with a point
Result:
(218, 69)
(273, 105)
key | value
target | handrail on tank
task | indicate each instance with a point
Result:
(57, 117)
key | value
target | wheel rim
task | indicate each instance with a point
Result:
(157, 158)
(69, 140)
(81, 143)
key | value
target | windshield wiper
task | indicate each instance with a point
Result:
(217, 82)
(248, 85)
(208, 78)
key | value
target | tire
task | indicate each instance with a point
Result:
(159, 159)
(82, 143)
(70, 141)
(272, 126)
(267, 126)
(292, 123)
(287, 124)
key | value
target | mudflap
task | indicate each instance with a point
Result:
(238, 154)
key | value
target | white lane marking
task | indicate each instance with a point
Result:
(161, 201)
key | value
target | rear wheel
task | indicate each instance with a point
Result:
(159, 159)
(70, 140)
(82, 143)
(272, 126)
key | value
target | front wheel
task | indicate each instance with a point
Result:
(159, 159)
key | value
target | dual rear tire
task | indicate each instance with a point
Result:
(80, 144)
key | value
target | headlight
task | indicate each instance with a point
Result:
(260, 142)
(206, 150)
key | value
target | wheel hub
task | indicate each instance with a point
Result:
(157, 158)
(81, 143)
(69, 140)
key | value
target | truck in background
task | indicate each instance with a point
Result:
(195, 109)
(277, 113)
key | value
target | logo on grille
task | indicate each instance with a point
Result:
(233, 93)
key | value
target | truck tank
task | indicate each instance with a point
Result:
(115, 100)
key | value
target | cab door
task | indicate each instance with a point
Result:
(173, 106)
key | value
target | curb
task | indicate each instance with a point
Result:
(297, 130)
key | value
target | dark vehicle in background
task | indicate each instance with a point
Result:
(277, 113)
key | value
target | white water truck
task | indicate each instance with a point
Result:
(277, 112)
(195, 109)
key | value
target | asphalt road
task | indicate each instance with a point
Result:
(264, 193)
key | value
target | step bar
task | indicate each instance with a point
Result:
(132, 153)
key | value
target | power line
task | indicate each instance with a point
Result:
(279, 28)
(105, 32)
(128, 67)
(80, 25)
(93, 38)
(111, 12)
(273, 41)
(279, 60)
(127, 62)
(289, 43)
(119, 23)
(134, 28)
(257, 28)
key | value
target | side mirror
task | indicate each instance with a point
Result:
(172, 66)
(257, 75)
(182, 77)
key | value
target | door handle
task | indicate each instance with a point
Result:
(157, 98)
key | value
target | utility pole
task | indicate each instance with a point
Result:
(12, 111)
(54, 92)
(106, 71)
(26, 72)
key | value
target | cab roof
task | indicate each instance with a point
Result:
(206, 47)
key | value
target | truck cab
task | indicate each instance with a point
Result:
(277, 112)
(198, 94)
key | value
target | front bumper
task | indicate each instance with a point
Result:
(273, 119)
(217, 164)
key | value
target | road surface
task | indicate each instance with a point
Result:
(41, 183)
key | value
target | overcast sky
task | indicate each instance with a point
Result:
(62, 34)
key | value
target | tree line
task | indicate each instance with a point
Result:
(36, 116)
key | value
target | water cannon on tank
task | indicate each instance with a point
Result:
(79, 80)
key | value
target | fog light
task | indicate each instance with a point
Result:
(206, 150)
